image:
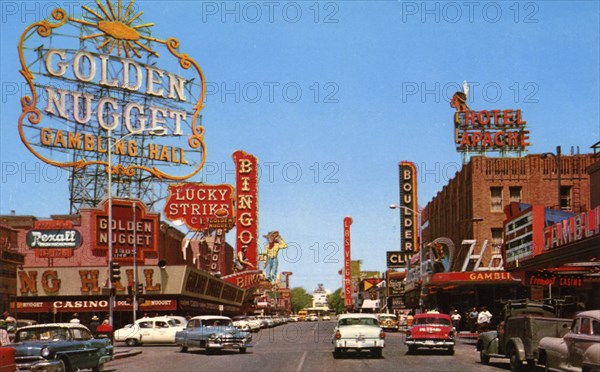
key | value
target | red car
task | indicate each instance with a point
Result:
(7, 359)
(431, 331)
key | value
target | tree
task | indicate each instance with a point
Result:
(336, 301)
(300, 299)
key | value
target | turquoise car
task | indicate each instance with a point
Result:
(60, 347)
(212, 333)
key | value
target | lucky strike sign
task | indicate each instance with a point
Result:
(97, 92)
(246, 177)
(201, 206)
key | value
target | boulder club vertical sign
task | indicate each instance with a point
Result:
(408, 207)
(347, 271)
(246, 178)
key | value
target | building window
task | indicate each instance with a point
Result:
(496, 199)
(515, 193)
(565, 198)
(496, 240)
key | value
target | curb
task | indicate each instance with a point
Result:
(126, 354)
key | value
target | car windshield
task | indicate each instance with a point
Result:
(42, 334)
(387, 317)
(218, 322)
(358, 321)
(430, 321)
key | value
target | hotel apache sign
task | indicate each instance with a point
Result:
(487, 130)
(98, 76)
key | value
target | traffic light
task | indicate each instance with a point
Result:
(140, 289)
(115, 272)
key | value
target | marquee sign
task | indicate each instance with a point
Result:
(396, 259)
(408, 207)
(246, 182)
(101, 83)
(201, 206)
(578, 227)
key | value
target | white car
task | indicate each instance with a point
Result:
(358, 332)
(326, 317)
(312, 318)
(158, 330)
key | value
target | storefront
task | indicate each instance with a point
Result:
(54, 294)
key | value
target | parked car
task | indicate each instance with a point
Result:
(180, 320)
(568, 353)
(157, 330)
(431, 331)
(7, 359)
(524, 324)
(60, 347)
(389, 322)
(242, 323)
(212, 333)
(358, 332)
(326, 317)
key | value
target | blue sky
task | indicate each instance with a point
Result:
(330, 96)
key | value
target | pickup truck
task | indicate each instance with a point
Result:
(517, 336)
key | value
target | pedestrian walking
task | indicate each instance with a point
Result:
(472, 320)
(483, 319)
(75, 319)
(4, 339)
(95, 322)
(455, 316)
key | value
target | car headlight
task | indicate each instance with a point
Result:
(212, 336)
(45, 352)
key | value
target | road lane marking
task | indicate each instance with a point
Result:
(301, 362)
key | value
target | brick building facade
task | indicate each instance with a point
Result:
(471, 205)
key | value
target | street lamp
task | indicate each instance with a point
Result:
(109, 150)
(418, 213)
(557, 161)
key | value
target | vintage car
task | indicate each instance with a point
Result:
(157, 330)
(212, 333)
(568, 353)
(312, 318)
(326, 317)
(431, 331)
(60, 347)
(246, 323)
(358, 332)
(7, 359)
(389, 322)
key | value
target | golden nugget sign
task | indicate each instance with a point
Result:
(98, 84)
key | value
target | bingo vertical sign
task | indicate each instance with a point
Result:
(347, 271)
(246, 173)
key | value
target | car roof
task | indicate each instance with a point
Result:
(390, 315)
(205, 317)
(433, 315)
(589, 313)
(55, 325)
(357, 315)
(163, 318)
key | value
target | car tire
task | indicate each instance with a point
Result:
(337, 353)
(485, 359)
(132, 342)
(451, 350)
(98, 368)
(412, 349)
(242, 350)
(64, 365)
(377, 352)
(516, 365)
(183, 349)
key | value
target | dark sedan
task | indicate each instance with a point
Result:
(60, 347)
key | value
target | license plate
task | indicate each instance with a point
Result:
(428, 342)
